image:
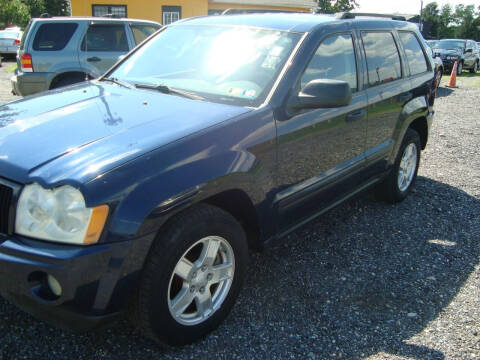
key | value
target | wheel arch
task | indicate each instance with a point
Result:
(65, 75)
(420, 125)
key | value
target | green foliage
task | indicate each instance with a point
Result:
(57, 7)
(462, 22)
(13, 12)
(334, 6)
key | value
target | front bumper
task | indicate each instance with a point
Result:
(96, 281)
(24, 84)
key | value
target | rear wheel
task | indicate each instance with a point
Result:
(400, 181)
(193, 276)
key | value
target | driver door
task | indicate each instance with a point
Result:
(319, 149)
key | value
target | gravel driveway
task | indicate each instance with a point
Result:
(366, 280)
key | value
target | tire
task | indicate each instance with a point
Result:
(475, 68)
(459, 68)
(392, 189)
(157, 311)
(66, 81)
(438, 78)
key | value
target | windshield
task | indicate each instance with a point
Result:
(233, 65)
(450, 44)
(432, 43)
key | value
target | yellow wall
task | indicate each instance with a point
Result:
(152, 9)
(143, 9)
(224, 6)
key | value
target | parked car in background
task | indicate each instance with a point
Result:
(462, 51)
(60, 51)
(437, 61)
(143, 189)
(10, 41)
(432, 43)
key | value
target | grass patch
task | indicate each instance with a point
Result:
(12, 68)
(467, 79)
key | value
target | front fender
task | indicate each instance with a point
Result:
(235, 155)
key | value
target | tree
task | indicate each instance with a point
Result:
(36, 7)
(445, 20)
(431, 20)
(334, 6)
(13, 12)
(464, 17)
(57, 7)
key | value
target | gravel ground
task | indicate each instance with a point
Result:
(5, 88)
(366, 280)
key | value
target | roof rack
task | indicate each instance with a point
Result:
(350, 15)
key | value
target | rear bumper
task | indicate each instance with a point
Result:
(24, 84)
(96, 281)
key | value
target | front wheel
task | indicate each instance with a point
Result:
(475, 68)
(459, 68)
(193, 276)
(400, 181)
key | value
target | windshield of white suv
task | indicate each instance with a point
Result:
(232, 65)
(450, 44)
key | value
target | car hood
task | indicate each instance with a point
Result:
(82, 131)
(447, 51)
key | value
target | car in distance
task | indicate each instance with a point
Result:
(10, 41)
(432, 43)
(60, 51)
(143, 189)
(459, 50)
(438, 66)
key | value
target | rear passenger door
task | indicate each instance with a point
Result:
(388, 90)
(101, 47)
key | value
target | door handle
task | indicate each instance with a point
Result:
(356, 115)
(93, 59)
(404, 97)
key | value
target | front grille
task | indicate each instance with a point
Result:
(6, 196)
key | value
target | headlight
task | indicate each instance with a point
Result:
(58, 215)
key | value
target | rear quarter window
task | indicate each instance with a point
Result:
(53, 36)
(383, 59)
(415, 55)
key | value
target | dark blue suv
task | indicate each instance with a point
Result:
(144, 189)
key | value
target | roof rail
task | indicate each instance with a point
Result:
(235, 11)
(350, 15)
(45, 15)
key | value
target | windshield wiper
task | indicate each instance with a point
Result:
(169, 90)
(118, 82)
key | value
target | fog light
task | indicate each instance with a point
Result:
(54, 285)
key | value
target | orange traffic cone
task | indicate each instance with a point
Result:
(453, 77)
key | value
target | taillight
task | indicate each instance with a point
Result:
(26, 61)
(16, 42)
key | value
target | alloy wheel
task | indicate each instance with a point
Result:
(201, 280)
(407, 167)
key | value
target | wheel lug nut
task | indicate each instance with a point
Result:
(194, 274)
(202, 289)
(204, 267)
(192, 289)
(209, 277)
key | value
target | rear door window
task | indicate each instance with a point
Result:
(413, 50)
(141, 32)
(105, 38)
(53, 36)
(383, 59)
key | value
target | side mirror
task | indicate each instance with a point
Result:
(322, 93)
